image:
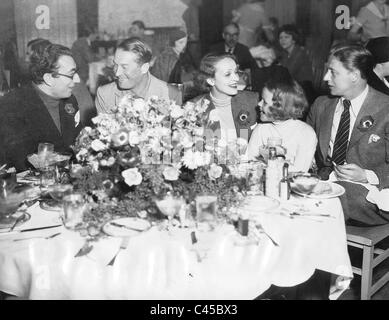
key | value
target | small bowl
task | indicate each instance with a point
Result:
(305, 183)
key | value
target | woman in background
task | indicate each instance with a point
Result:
(295, 58)
(283, 103)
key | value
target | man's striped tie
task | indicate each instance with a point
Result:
(341, 139)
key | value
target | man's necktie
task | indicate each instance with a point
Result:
(341, 139)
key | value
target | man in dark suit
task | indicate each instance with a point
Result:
(379, 48)
(44, 111)
(83, 54)
(232, 46)
(353, 131)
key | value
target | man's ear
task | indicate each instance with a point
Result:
(355, 75)
(145, 68)
(211, 82)
(48, 79)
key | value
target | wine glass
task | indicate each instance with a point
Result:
(170, 206)
(9, 203)
(58, 192)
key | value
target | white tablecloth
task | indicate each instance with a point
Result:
(159, 265)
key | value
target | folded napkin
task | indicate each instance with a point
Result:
(380, 198)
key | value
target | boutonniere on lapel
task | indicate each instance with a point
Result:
(244, 118)
(374, 138)
(77, 119)
(69, 109)
(366, 123)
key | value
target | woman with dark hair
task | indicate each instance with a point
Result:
(283, 103)
(231, 112)
(295, 59)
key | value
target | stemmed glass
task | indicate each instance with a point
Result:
(170, 207)
(58, 192)
(9, 201)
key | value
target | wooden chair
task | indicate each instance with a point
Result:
(367, 238)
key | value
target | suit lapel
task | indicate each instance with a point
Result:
(67, 110)
(369, 108)
(325, 130)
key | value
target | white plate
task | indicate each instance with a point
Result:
(258, 204)
(337, 190)
(133, 226)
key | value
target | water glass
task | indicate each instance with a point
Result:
(206, 208)
(7, 183)
(74, 207)
(48, 176)
(45, 148)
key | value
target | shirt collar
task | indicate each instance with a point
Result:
(356, 103)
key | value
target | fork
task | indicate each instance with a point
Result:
(40, 237)
(123, 246)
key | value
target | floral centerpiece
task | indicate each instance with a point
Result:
(145, 150)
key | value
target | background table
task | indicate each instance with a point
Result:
(159, 265)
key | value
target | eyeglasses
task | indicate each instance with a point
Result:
(71, 77)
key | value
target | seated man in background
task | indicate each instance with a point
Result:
(44, 111)
(232, 46)
(132, 64)
(379, 48)
(352, 127)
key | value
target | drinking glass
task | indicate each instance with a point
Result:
(7, 183)
(48, 175)
(74, 207)
(45, 150)
(170, 206)
(206, 209)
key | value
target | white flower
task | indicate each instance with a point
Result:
(98, 146)
(176, 112)
(132, 177)
(134, 138)
(139, 105)
(215, 171)
(171, 173)
(213, 116)
(83, 152)
(374, 138)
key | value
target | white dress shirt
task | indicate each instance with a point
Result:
(356, 105)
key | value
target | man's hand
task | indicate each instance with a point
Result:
(350, 172)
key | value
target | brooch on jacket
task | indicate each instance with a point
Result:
(366, 123)
(244, 118)
(69, 108)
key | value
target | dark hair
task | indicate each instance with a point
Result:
(37, 45)
(291, 30)
(289, 101)
(231, 24)
(207, 69)
(46, 61)
(139, 23)
(141, 49)
(354, 56)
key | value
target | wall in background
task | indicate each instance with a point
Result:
(29, 24)
(116, 16)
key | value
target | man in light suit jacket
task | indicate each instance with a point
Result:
(43, 111)
(132, 64)
(232, 46)
(354, 144)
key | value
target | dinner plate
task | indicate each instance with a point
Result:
(126, 227)
(17, 214)
(258, 204)
(336, 191)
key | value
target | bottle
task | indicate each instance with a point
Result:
(272, 175)
(284, 183)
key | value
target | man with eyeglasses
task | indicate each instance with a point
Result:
(43, 111)
(231, 45)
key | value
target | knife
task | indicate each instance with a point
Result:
(115, 224)
(40, 228)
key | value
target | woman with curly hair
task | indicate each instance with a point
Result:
(231, 114)
(283, 103)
